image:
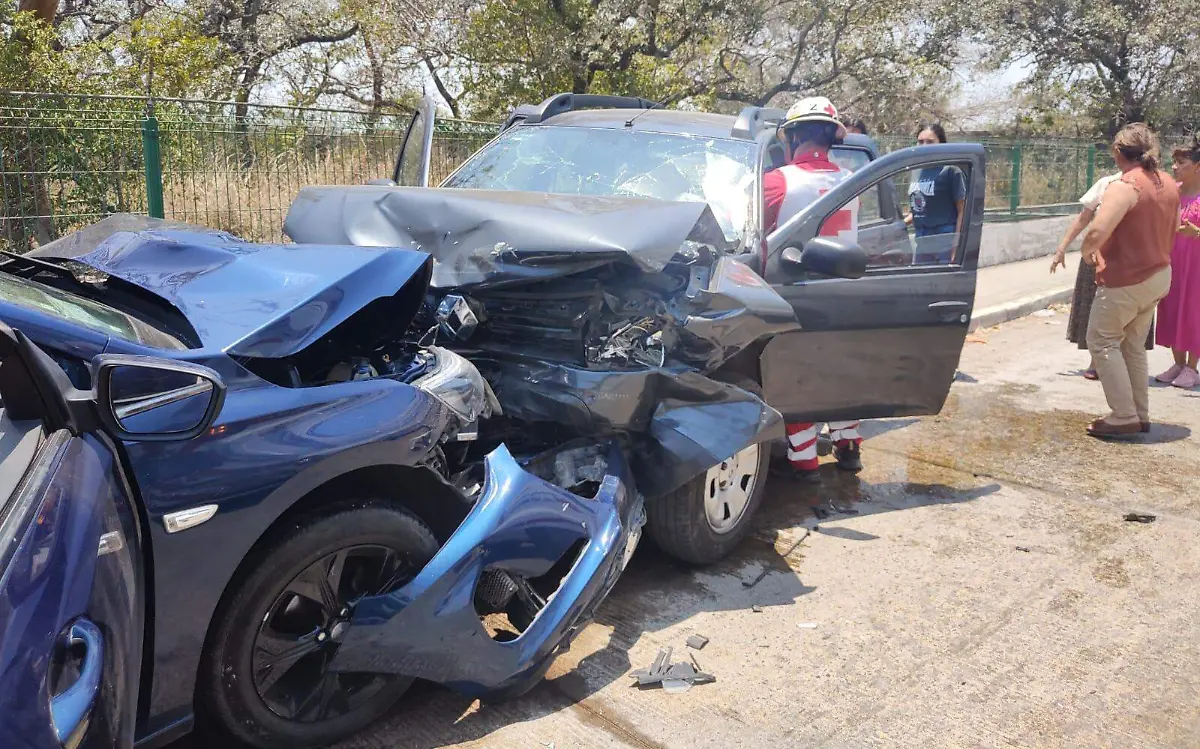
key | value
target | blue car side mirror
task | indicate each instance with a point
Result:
(146, 399)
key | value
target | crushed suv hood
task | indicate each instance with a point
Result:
(497, 249)
(481, 238)
(254, 300)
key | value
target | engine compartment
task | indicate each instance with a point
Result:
(611, 318)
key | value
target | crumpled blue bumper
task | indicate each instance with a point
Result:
(521, 525)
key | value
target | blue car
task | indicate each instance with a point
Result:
(263, 488)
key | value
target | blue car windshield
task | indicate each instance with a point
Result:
(82, 311)
(620, 163)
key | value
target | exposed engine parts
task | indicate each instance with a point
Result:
(638, 343)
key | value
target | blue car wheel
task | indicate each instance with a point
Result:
(267, 678)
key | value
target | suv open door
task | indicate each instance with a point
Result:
(883, 327)
(416, 150)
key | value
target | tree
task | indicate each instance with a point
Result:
(258, 33)
(715, 54)
(402, 47)
(523, 50)
(42, 9)
(1126, 57)
(63, 160)
(860, 48)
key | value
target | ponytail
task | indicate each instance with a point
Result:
(1136, 142)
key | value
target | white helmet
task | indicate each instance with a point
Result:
(813, 109)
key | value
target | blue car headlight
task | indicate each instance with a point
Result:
(457, 383)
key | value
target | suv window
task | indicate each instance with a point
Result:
(621, 163)
(869, 208)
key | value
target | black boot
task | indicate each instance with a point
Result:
(796, 475)
(849, 458)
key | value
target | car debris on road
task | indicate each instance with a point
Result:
(672, 677)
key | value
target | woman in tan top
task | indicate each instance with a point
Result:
(1129, 242)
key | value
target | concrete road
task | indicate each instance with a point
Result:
(985, 591)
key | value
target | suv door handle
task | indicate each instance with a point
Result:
(950, 311)
(71, 709)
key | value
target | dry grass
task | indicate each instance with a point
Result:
(252, 202)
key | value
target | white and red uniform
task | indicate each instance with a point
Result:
(792, 188)
(786, 191)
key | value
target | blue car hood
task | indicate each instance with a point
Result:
(255, 300)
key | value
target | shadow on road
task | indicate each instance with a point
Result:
(657, 593)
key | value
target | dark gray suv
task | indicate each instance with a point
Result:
(882, 330)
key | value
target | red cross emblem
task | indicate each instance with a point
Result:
(839, 222)
(829, 110)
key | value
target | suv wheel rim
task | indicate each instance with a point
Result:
(303, 628)
(728, 487)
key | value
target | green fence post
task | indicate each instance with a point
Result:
(1075, 192)
(153, 159)
(1091, 169)
(1014, 186)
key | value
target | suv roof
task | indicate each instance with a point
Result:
(702, 124)
(628, 113)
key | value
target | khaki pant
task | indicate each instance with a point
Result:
(1116, 337)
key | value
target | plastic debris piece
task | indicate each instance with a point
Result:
(1044, 313)
(1137, 517)
(807, 625)
(1022, 548)
(756, 609)
(673, 677)
(697, 642)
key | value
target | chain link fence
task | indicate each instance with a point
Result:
(66, 161)
(1033, 178)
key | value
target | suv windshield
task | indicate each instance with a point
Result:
(621, 163)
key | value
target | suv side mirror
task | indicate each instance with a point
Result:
(146, 399)
(827, 256)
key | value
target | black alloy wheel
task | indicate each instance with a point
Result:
(265, 677)
(304, 628)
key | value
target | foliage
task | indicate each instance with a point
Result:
(523, 50)
(1122, 60)
(68, 58)
(709, 54)
(48, 138)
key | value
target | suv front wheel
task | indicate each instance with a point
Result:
(703, 521)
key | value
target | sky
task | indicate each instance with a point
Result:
(978, 90)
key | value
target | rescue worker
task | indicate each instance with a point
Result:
(808, 131)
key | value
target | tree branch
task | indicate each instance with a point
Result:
(449, 98)
(311, 38)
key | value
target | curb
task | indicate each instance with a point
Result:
(999, 313)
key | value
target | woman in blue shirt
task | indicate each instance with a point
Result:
(936, 197)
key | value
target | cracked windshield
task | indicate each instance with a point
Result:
(585, 161)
